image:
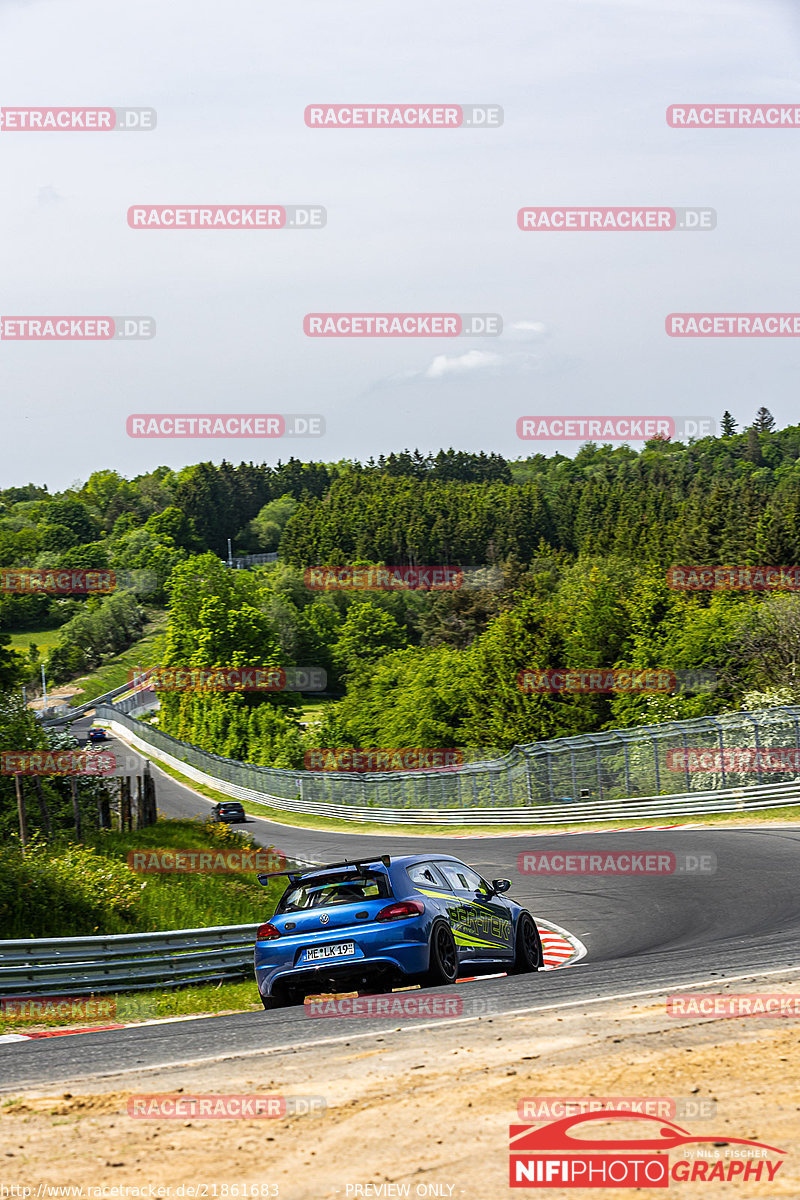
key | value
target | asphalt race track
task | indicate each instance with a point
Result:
(641, 933)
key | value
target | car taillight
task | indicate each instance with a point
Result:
(399, 910)
(266, 932)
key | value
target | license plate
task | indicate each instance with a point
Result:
(339, 950)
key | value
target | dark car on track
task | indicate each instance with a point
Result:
(230, 811)
(379, 922)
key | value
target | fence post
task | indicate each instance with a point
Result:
(124, 803)
(151, 806)
(43, 809)
(655, 763)
(104, 810)
(76, 808)
(21, 813)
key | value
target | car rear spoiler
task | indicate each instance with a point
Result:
(295, 875)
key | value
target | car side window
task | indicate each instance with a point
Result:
(426, 874)
(462, 878)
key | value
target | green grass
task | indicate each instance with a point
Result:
(145, 653)
(122, 1007)
(43, 639)
(311, 710)
(281, 817)
(63, 889)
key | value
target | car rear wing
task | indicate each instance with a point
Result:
(296, 875)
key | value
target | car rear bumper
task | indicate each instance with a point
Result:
(411, 958)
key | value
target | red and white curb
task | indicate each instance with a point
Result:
(43, 1033)
(560, 948)
(551, 833)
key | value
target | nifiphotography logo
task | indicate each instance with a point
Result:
(550, 1156)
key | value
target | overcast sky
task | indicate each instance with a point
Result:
(418, 221)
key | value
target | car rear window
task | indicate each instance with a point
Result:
(326, 893)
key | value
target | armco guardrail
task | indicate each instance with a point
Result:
(504, 791)
(78, 966)
(65, 713)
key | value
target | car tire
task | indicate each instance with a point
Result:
(271, 1002)
(443, 962)
(527, 946)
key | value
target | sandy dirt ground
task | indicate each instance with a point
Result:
(420, 1113)
(56, 696)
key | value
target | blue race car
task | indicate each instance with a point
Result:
(378, 922)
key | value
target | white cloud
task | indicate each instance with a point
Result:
(461, 364)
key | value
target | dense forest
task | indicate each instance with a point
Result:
(578, 550)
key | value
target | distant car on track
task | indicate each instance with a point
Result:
(229, 811)
(378, 922)
(97, 734)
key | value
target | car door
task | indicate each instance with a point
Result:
(481, 922)
(427, 879)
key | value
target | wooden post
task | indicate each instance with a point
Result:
(104, 811)
(76, 808)
(125, 805)
(151, 812)
(140, 814)
(23, 816)
(43, 809)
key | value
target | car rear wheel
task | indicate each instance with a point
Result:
(527, 946)
(443, 965)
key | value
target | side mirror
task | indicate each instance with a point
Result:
(500, 885)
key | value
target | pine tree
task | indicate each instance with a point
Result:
(764, 422)
(753, 452)
(728, 425)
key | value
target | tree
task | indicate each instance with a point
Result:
(753, 451)
(764, 422)
(172, 526)
(728, 425)
(13, 668)
(366, 634)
